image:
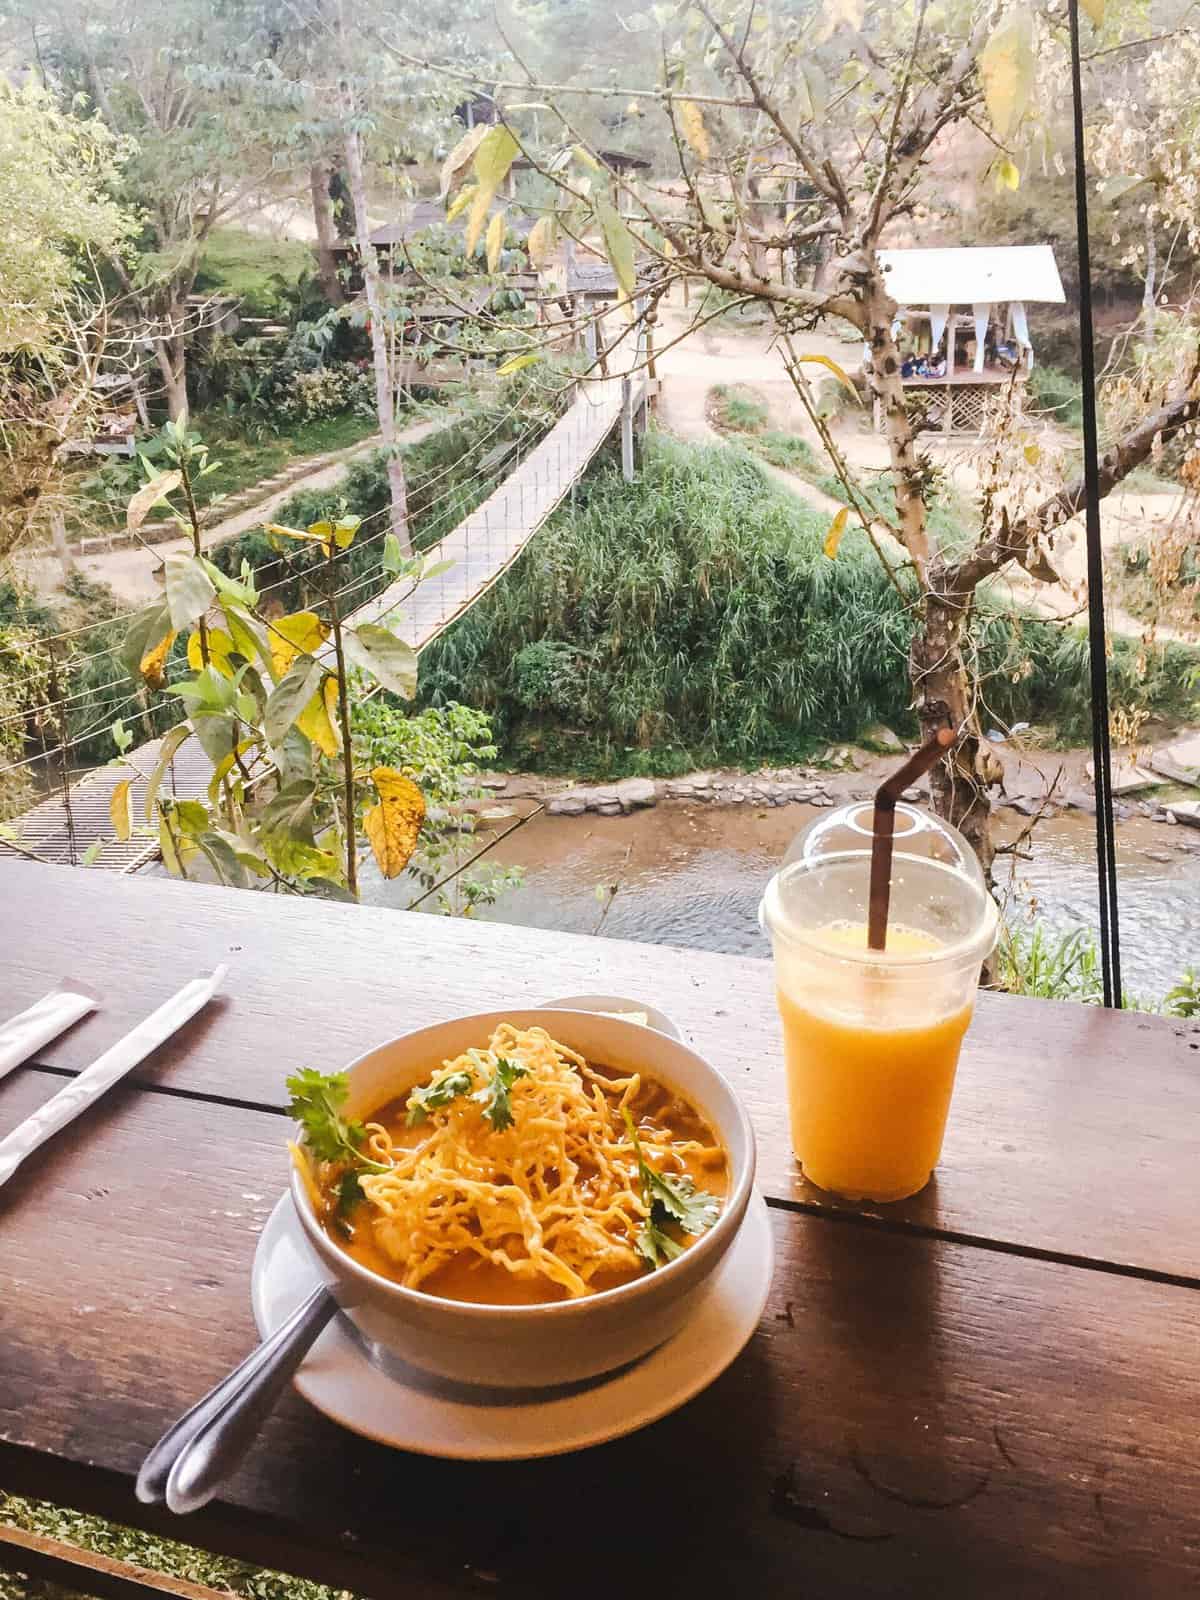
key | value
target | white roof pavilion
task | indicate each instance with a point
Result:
(971, 275)
(979, 277)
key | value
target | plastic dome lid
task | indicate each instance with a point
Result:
(937, 883)
(849, 830)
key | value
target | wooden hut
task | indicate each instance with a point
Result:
(962, 324)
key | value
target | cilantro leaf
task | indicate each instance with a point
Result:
(670, 1200)
(439, 1091)
(655, 1246)
(349, 1192)
(494, 1096)
(316, 1104)
(317, 1101)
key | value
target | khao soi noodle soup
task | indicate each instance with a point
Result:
(515, 1174)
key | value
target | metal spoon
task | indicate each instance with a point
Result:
(204, 1447)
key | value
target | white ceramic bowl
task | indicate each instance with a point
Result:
(564, 1341)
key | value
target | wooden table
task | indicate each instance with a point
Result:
(990, 1389)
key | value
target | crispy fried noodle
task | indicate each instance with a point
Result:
(548, 1187)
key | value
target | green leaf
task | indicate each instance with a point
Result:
(166, 753)
(618, 245)
(217, 734)
(494, 1096)
(378, 651)
(92, 854)
(145, 631)
(439, 1091)
(393, 558)
(1006, 68)
(121, 736)
(290, 811)
(289, 698)
(669, 1199)
(238, 591)
(190, 590)
(817, 87)
(1110, 189)
(190, 817)
(224, 859)
(149, 495)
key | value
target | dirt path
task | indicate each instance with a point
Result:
(134, 575)
(729, 353)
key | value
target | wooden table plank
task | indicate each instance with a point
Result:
(911, 1417)
(1073, 1132)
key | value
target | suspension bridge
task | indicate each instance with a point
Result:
(76, 823)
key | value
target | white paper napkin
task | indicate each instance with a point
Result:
(80, 1092)
(24, 1036)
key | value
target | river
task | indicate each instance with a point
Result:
(693, 876)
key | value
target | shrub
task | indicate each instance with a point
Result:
(694, 609)
(1055, 391)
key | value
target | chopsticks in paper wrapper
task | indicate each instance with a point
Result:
(66, 1105)
(23, 1036)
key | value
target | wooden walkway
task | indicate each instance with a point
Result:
(482, 547)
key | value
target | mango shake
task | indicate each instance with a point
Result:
(871, 1038)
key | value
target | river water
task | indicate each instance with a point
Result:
(693, 876)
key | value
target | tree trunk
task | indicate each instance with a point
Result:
(169, 353)
(58, 538)
(942, 697)
(322, 204)
(385, 398)
(1150, 291)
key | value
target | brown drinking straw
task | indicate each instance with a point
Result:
(882, 830)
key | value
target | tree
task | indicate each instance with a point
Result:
(57, 172)
(836, 116)
(160, 74)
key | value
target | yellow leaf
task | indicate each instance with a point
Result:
(149, 495)
(495, 241)
(1006, 65)
(836, 529)
(461, 201)
(588, 159)
(692, 121)
(120, 808)
(153, 664)
(301, 634)
(1032, 454)
(540, 244)
(220, 645)
(515, 363)
(308, 535)
(832, 366)
(316, 720)
(459, 159)
(1095, 10)
(1008, 175)
(224, 767)
(393, 826)
(492, 161)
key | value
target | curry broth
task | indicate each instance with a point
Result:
(469, 1277)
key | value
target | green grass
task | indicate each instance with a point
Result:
(239, 262)
(243, 462)
(786, 450)
(737, 409)
(691, 617)
(144, 1550)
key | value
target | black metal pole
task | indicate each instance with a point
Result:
(1106, 850)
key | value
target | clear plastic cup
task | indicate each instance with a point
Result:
(871, 1038)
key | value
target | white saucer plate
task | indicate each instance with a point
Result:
(373, 1393)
